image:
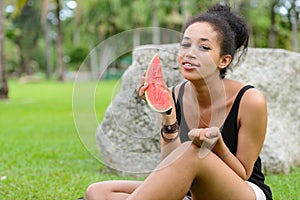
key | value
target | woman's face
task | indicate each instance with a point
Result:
(199, 53)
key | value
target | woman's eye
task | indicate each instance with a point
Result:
(204, 47)
(185, 45)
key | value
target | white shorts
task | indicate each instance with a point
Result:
(260, 195)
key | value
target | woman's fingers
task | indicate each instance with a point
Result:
(207, 136)
(193, 134)
(197, 136)
(142, 87)
(212, 132)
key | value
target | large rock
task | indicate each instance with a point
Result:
(128, 137)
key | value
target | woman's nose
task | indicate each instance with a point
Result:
(191, 52)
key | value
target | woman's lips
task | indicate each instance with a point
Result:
(189, 66)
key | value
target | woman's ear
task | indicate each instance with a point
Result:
(224, 61)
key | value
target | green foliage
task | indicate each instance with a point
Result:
(11, 58)
(103, 19)
(25, 31)
(77, 56)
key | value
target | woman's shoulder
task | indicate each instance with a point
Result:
(252, 97)
(252, 100)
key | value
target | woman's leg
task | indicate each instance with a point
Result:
(111, 190)
(183, 170)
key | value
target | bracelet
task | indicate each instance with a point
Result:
(167, 139)
(226, 154)
(169, 129)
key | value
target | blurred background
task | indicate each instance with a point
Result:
(51, 38)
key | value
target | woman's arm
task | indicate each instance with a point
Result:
(252, 121)
(253, 125)
(166, 143)
(167, 147)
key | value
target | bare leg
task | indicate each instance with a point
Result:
(181, 171)
(208, 178)
(111, 190)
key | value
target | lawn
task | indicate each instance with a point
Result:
(42, 156)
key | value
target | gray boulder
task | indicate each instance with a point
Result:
(128, 137)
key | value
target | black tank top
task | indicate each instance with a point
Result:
(229, 132)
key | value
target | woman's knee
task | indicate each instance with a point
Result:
(185, 153)
(97, 191)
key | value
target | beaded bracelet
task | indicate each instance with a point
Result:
(167, 139)
(173, 128)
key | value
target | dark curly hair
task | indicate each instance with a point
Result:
(232, 31)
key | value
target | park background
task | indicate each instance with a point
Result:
(42, 46)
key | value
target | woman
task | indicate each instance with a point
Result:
(211, 141)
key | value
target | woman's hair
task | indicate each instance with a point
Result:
(232, 30)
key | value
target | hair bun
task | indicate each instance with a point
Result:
(236, 23)
(219, 8)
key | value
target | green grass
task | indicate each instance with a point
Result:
(42, 156)
(285, 186)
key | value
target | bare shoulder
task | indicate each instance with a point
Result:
(253, 98)
(253, 110)
(253, 101)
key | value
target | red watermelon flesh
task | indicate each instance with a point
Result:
(157, 94)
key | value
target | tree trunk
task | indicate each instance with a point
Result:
(48, 50)
(295, 22)
(184, 9)
(60, 50)
(3, 80)
(46, 28)
(77, 20)
(24, 67)
(272, 32)
(136, 38)
(156, 31)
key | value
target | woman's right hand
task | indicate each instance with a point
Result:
(142, 87)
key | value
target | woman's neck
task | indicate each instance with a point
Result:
(210, 95)
(207, 90)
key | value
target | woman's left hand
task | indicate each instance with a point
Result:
(207, 137)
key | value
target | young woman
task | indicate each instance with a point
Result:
(211, 141)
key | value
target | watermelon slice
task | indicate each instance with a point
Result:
(157, 94)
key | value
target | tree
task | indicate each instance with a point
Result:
(295, 21)
(272, 33)
(156, 36)
(3, 80)
(59, 44)
(26, 19)
(77, 21)
(46, 28)
(288, 10)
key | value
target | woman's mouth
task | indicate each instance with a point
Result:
(189, 66)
